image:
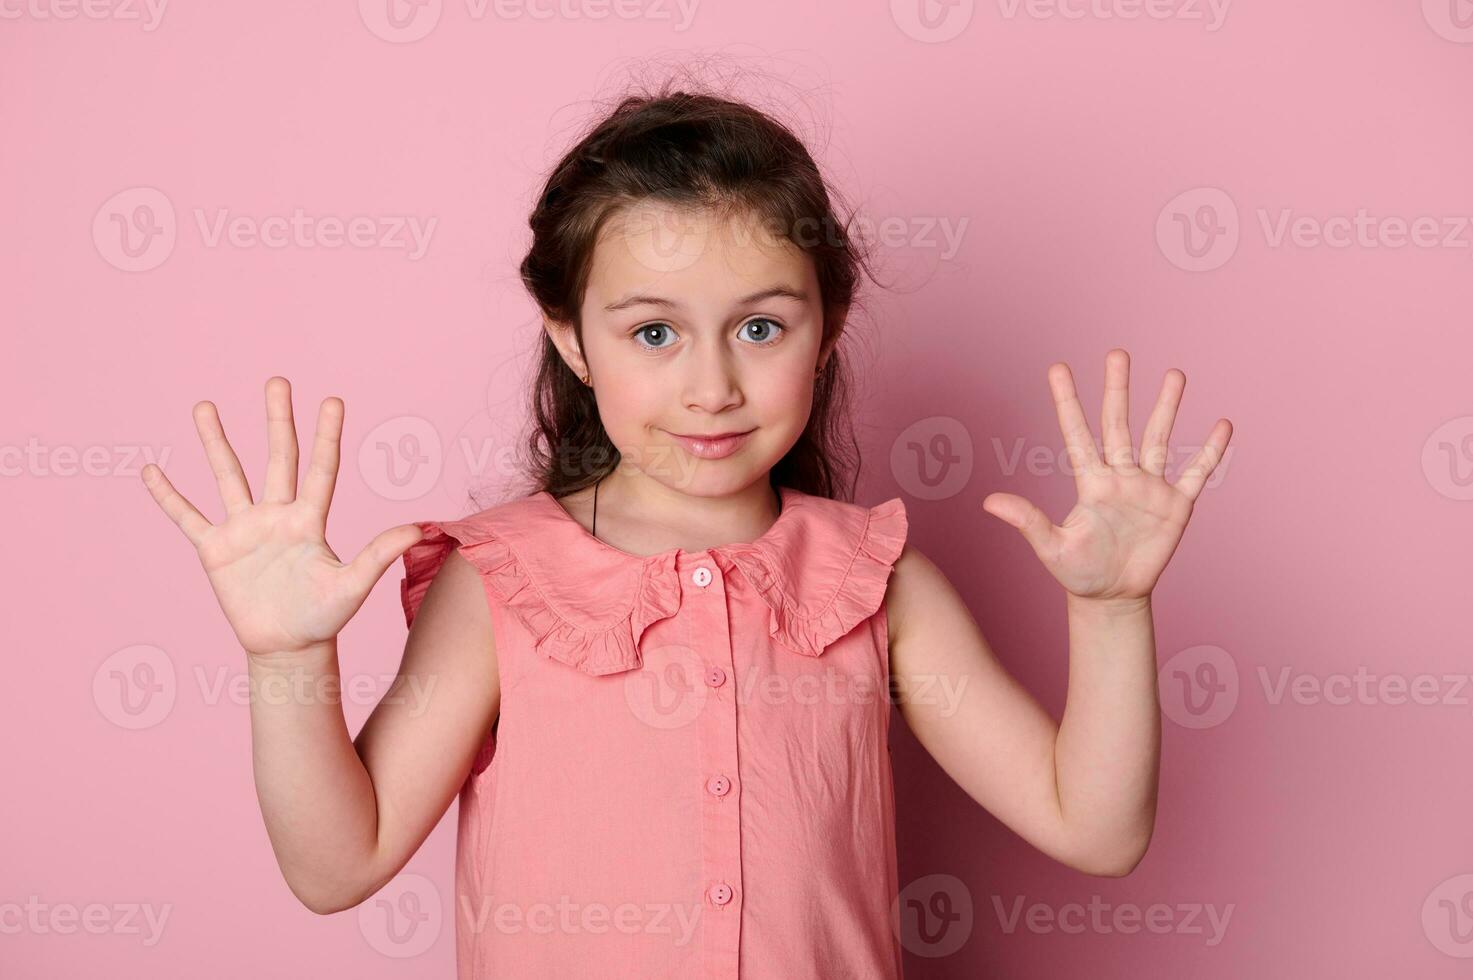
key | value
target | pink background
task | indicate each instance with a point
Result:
(1334, 539)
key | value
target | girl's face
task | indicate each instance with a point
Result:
(698, 326)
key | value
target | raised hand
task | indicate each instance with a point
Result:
(281, 587)
(1118, 538)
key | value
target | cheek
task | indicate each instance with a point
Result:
(628, 403)
(785, 397)
(624, 387)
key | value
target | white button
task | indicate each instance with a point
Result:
(701, 576)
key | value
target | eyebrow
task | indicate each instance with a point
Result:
(639, 299)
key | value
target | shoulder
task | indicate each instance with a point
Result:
(479, 545)
(453, 593)
(823, 549)
(824, 567)
(917, 586)
(838, 527)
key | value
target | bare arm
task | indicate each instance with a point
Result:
(1083, 792)
(345, 817)
(342, 818)
(419, 747)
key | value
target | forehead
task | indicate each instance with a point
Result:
(691, 255)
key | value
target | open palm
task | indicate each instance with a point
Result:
(1128, 520)
(281, 587)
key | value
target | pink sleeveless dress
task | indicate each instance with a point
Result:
(690, 775)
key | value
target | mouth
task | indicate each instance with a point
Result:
(715, 446)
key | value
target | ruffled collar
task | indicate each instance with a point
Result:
(791, 501)
(821, 569)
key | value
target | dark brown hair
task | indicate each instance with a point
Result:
(684, 149)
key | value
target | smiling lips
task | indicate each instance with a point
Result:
(713, 446)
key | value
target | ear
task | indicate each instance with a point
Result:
(566, 340)
(840, 317)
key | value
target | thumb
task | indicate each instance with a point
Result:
(1033, 523)
(381, 552)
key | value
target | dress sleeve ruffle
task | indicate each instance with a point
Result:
(603, 649)
(858, 595)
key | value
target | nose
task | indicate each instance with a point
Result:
(711, 381)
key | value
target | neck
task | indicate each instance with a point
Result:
(634, 502)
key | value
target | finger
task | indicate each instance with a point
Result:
(1115, 411)
(380, 553)
(281, 443)
(1026, 517)
(1079, 442)
(322, 468)
(1200, 466)
(235, 492)
(1156, 443)
(180, 511)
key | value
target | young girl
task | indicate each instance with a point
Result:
(661, 681)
